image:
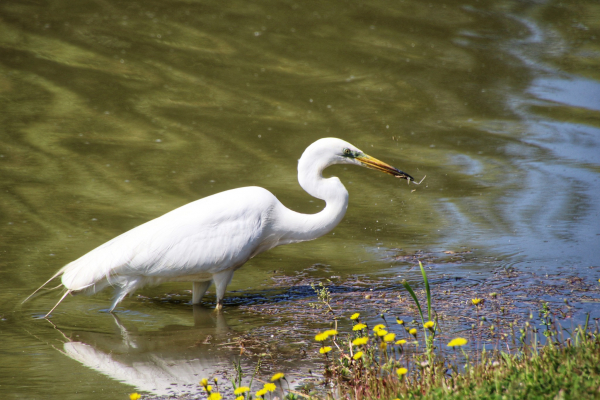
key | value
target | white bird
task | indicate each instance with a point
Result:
(206, 241)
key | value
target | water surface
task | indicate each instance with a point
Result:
(116, 112)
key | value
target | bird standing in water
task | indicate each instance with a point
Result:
(206, 241)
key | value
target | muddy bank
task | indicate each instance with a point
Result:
(292, 313)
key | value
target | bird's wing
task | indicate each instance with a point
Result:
(206, 236)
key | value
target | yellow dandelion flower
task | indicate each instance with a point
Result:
(325, 349)
(134, 396)
(270, 387)
(277, 376)
(331, 332)
(239, 398)
(204, 382)
(383, 345)
(357, 355)
(476, 301)
(360, 341)
(321, 337)
(260, 393)
(401, 371)
(359, 327)
(399, 321)
(215, 396)
(382, 332)
(379, 327)
(355, 315)
(429, 324)
(457, 342)
(241, 390)
(413, 331)
(390, 337)
(208, 388)
(401, 342)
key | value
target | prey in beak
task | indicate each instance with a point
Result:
(373, 163)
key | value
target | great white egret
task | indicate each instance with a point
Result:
(207, 240)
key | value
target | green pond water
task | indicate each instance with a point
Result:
(115, 112)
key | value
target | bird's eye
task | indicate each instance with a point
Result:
(347, 152)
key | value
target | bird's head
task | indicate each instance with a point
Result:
(336, 151)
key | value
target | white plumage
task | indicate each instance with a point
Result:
(207, 240)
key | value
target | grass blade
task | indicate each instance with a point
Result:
(428, 289)
(414, 296)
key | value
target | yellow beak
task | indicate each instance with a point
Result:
(373, 163)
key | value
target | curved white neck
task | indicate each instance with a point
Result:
(300, 227)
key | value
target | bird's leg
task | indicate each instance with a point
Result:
(61, 299)
(199, 290)
(119, 295)
(124, 333)
(221, 280)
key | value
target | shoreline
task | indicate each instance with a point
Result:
(293, 314)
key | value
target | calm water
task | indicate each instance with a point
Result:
(115, 112)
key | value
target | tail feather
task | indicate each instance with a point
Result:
(41, 287)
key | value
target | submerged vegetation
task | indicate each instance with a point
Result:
(400, 360)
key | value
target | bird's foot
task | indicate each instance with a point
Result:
(219, 306)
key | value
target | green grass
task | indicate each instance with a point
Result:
(557, 372)
(561, 369)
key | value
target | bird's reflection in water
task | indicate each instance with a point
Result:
(165, 362)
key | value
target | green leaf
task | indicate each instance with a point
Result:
(428, 289)
(414, 296)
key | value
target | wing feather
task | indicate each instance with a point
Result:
(206, 236)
